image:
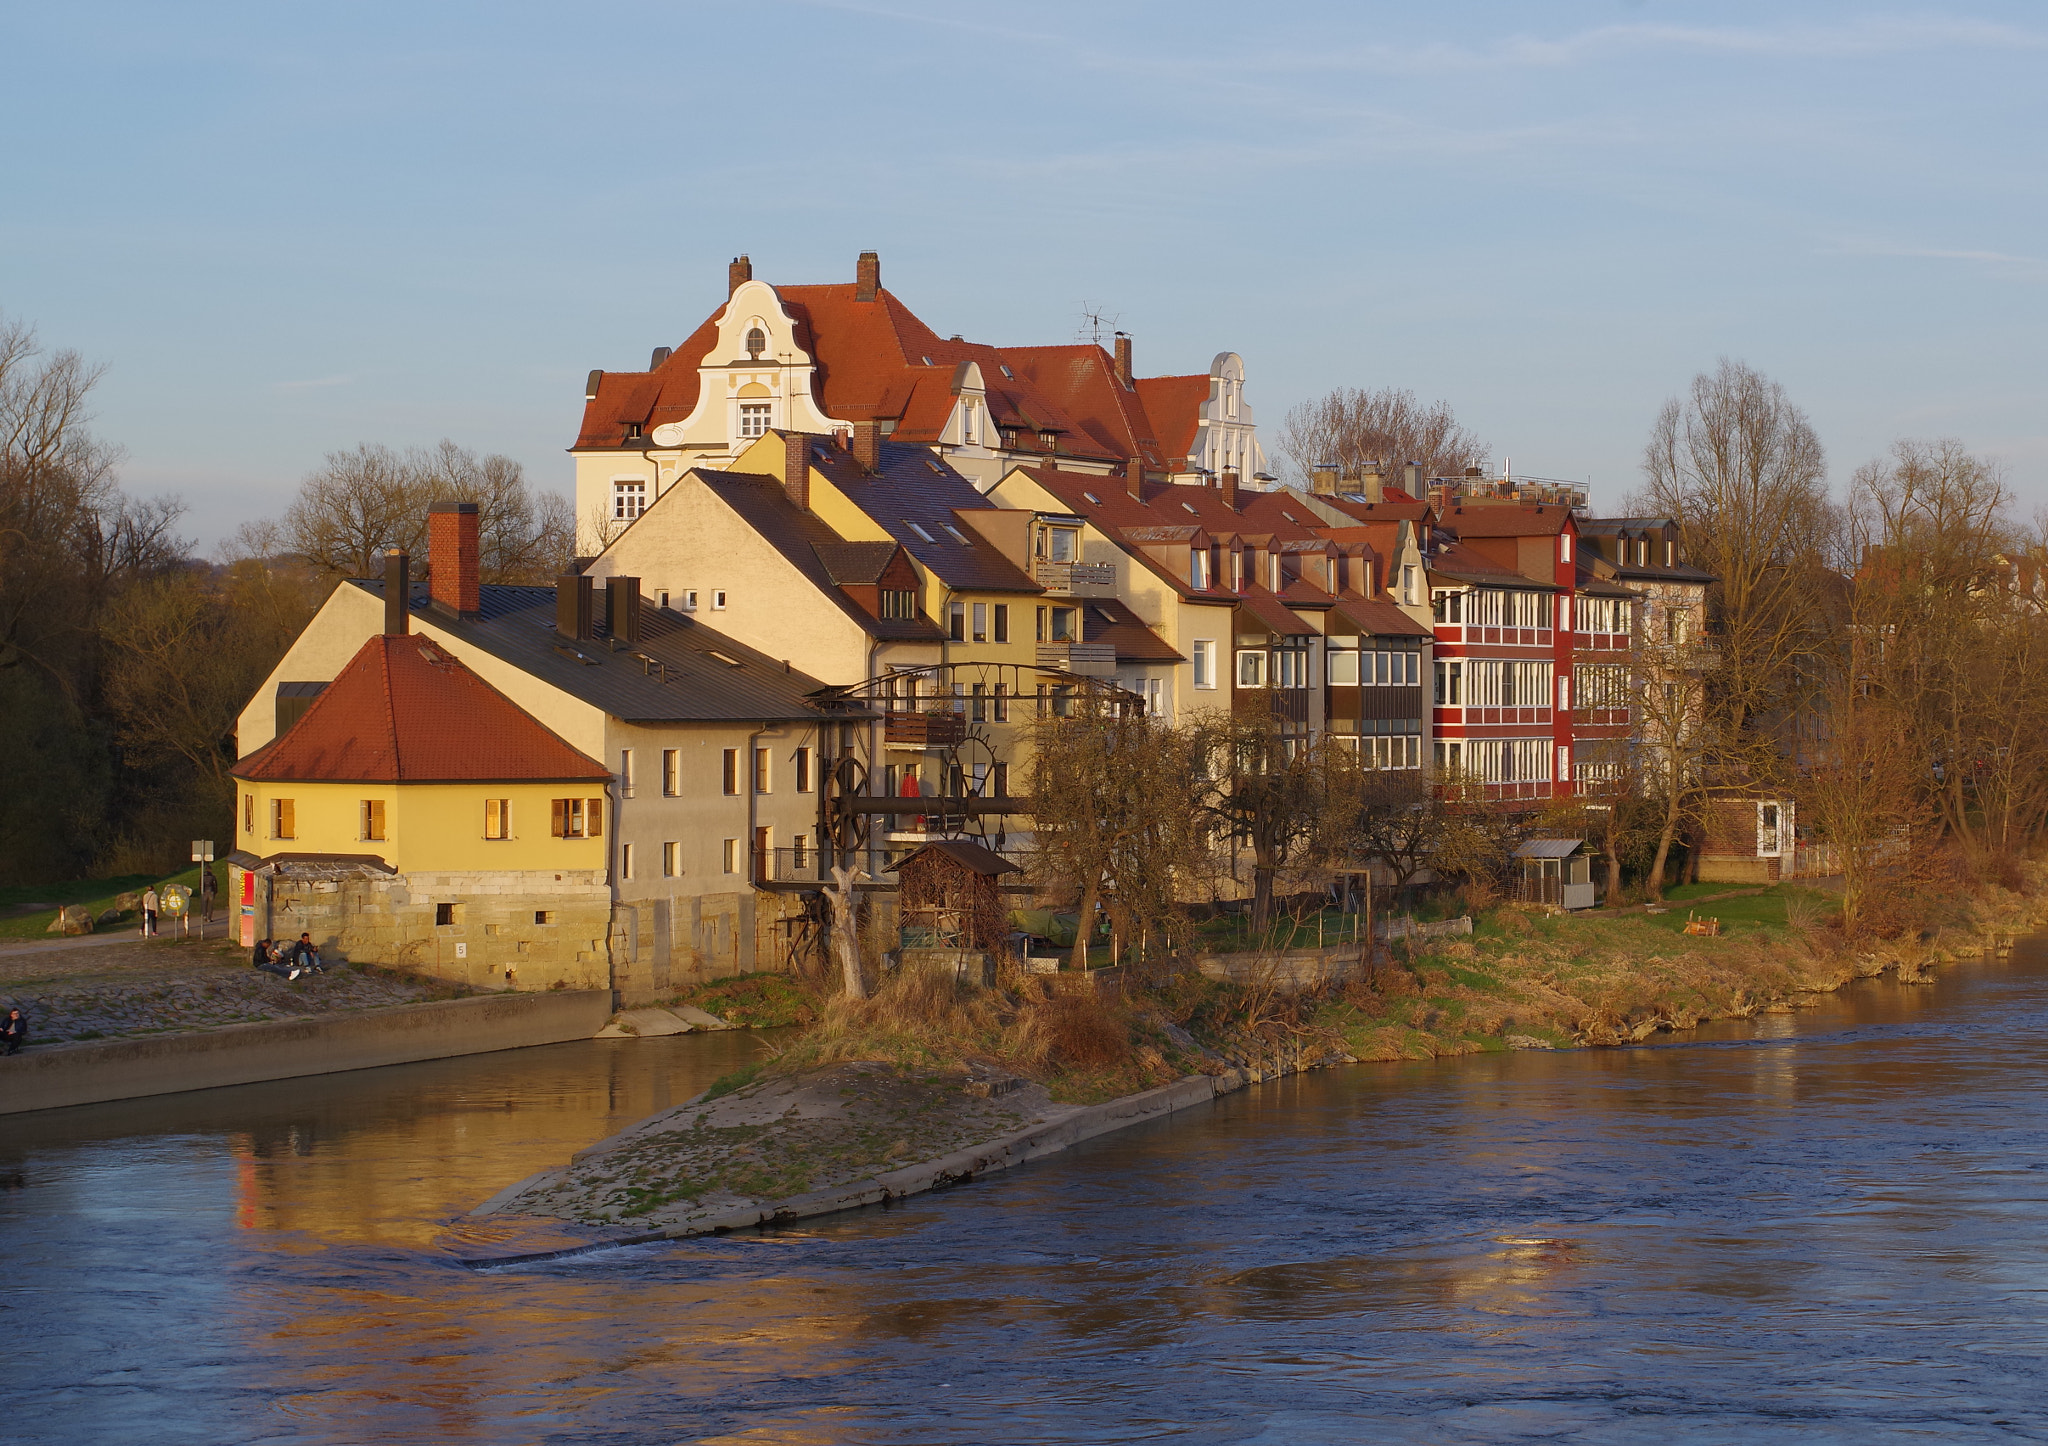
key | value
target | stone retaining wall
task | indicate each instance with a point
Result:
(51, 1076)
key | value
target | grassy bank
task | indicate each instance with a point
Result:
(1525, 978)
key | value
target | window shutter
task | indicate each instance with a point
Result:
(596, 818)
(559, 824)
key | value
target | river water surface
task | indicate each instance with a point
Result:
(1829, 1226)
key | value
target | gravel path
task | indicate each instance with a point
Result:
(161, 986)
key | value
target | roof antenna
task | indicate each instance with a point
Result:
(1094, 319)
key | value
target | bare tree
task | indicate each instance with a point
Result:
(1351, 427)
(1737, 466)
(1098, 779)
(372, 497)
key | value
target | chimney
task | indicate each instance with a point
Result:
(1230, 490)
(397, 593)
(1123, 359)
(622, 608)
(1373, 484)
(1134, 477)
(868, 275)
(867, 444)
(572, 606)
(741, 270)
(452, 557)
(1323, 480)
(796, 468)
(1412, 480)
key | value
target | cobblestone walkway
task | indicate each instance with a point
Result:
(161, 986)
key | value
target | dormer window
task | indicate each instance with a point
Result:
(757, 342)
(1670, 554)
(632, 431)
(1198, 568)
(1048, 440)
(899, 604)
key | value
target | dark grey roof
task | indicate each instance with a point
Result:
(915, 489)
(855, 562)
(978, 857)
(672, 675)
(1549, 848)
(798, 535)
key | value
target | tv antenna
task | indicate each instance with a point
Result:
(1095, 320)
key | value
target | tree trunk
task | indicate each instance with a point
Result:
(1665, 835)
(846, 929)
(1262, 892)
(1085, 928)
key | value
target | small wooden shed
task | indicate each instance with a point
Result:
(1556, 871)
(950, 897)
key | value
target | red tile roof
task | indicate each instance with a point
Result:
(1505, 521)
(403, 711)
(1175, 406)
(875, 359)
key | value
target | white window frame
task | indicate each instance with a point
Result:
(1251, 668)
(1204, 662)
(760, 415)
(629, 498)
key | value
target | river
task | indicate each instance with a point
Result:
(1826, 1226)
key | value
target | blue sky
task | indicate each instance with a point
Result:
(287, 229)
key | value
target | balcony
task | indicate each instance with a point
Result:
(926, 730)
(1094, 660)
(1076, 579)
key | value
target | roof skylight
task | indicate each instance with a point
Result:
(957, 535)
(1092, 498)
(919, 530)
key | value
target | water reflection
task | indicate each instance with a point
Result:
(1822, 1226)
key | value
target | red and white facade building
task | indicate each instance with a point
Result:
(1503, 585)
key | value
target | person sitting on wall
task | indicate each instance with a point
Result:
(13, 1032)
(306, 956)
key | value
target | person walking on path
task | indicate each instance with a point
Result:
(149, 907)
(13, 1032)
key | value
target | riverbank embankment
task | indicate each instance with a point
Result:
(92, 1071)
(885, 1098)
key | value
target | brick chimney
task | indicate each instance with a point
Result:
(1230, 490)
(397, 593)
(1123, 359)
(622, 608)
(867, 445)
(452, 557)
(742, 269)
(573, 605)
(868, 273)
(1134, 477)
(796, 467)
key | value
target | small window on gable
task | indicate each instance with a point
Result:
(757, 341)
